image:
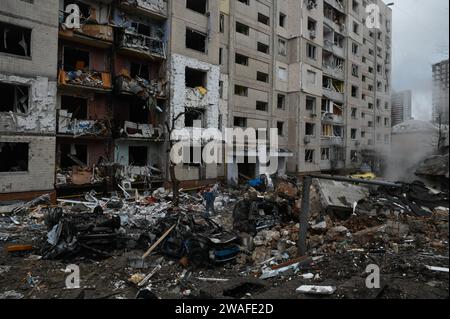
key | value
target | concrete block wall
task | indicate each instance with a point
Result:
(41, 167)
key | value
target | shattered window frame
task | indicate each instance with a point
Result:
(25, 159)
(26, 36)
(309, 156)
(14, 108)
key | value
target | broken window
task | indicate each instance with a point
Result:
(222, 23)
(353, 133)
(140, 70)
(242, 28)
(263, 19)
(311, 50)
(85, 9)
(195, 78)
(137, 155)
(195, 40)
(354, 113)
(262, 77)
(197, 5)
(73, 155)
(311, 104)
(240, 90)
(13, 157)
(281, 102)
(264, 48)
(325, 154)
(280, 128)
(355, 91)
(75, 59)
(282, 47)
(310, 129)
(241, 59)
(14, 98)
(309, 156)
(15, 40)
(240, 121)
(282, 20)
(191, 117)
(261, 106)
(75, 106)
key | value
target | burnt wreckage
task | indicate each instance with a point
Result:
(199, 239)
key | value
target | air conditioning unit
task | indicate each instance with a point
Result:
(342, 27)
(312, 34)
(357, 143)
(307, 139)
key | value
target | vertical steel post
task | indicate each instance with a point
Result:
(304, 215)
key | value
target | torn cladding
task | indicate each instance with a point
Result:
(40, 116)
(182, 97)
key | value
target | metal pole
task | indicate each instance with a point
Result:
(304, 215)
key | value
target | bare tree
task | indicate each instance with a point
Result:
(171, 126)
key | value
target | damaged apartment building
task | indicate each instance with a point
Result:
(111, 94)
(102, 92)
(28, 50)
(316, 72)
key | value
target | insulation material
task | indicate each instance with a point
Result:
(40, 116)
(209, 101)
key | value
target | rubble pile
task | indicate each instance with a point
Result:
(233, 242)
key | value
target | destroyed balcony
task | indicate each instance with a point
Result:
(330, 118)
(327, 141)
(333, 95)
(157, 9)
(337, 4)
(334, 71)
(98, 81)
(196, 97)
(140, 87)
(79, 128)
(142, 131)
(140, 45)
(101, 36)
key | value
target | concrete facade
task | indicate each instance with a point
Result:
(28, 57)
(401, 107)
(440, 93)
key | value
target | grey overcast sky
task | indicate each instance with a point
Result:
(420, 38)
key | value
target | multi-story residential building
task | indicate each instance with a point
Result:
(28, 57)
(112, 93)
(310, 69)
(440, 92)
(401, 107)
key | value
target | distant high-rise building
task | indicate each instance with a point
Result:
(401, 107)
(440, 92)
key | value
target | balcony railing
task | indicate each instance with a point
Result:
(89, 34)
(333, 95)
(332, 118)
(78, 128)
(142, 44)
(87, 79)
(332, 141)
(337, 4)
(156, 7)
(334, 71)
(140, 87)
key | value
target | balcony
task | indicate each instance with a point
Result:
(93, 80)
(333, 95)
(334, 71)
(337, 4)
(140, 45)
(142, 131)
(100, 36)
(143, 88)
(79, 128)
(331, 118)
(327, 141)
(157, 9)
